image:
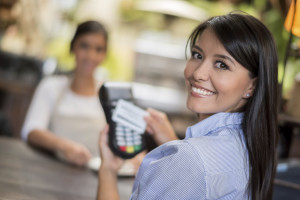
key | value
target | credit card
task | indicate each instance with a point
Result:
(130, 115)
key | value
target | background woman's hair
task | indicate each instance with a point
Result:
(251, 44)
(89, 27)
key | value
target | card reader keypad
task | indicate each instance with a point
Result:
(128, 140)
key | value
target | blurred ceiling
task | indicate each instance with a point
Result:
(172, 7)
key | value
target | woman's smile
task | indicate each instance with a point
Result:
(199, 91)
(216, 82)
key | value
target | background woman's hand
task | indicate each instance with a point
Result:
(159, 126)
(75, 153)
(109, 160)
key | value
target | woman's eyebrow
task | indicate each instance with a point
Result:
(217, 55)
(224, 57)
(198, 48)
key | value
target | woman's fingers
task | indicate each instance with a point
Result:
(157, 115)
(149, 120)
(159, 126)
(103, 139)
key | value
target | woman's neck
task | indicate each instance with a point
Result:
(84, 86)
(203, 116)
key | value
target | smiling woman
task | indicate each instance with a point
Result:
(216, 82)
(231, 79)
(244, 80)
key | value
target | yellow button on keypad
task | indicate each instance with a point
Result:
(129, 149)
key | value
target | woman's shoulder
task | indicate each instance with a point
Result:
(223, 152)
(54, 81)
(175, 149)
(166, 170)
(51, 86)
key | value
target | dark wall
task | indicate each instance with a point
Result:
(19, 75)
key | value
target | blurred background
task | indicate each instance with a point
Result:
(146, 46)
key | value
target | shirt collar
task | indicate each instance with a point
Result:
(214, 122)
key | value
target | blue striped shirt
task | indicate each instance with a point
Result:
(210, 163)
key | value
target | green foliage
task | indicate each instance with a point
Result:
(59, 48)
(274, 21)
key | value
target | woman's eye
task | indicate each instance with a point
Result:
(196, 55)
(99, 49)
(221, 65)
(84, 45)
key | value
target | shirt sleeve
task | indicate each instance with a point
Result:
(172, 171)
(41, 106)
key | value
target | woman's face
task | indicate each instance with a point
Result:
(216, 82)
(90, 51)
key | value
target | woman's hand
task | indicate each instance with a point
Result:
(110, 165)
(159, 127)
(109, 161)
(75, 153)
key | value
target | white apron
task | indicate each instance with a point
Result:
(82, 129)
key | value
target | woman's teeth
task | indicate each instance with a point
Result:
(202, 91)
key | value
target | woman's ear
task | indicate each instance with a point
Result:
(250, 89)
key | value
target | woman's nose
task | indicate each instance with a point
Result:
(92, 54)
(202, 72)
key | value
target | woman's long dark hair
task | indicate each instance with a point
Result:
(251, 44)
(87, 27)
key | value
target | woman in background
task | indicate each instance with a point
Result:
(65, 115)
(231, 79)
